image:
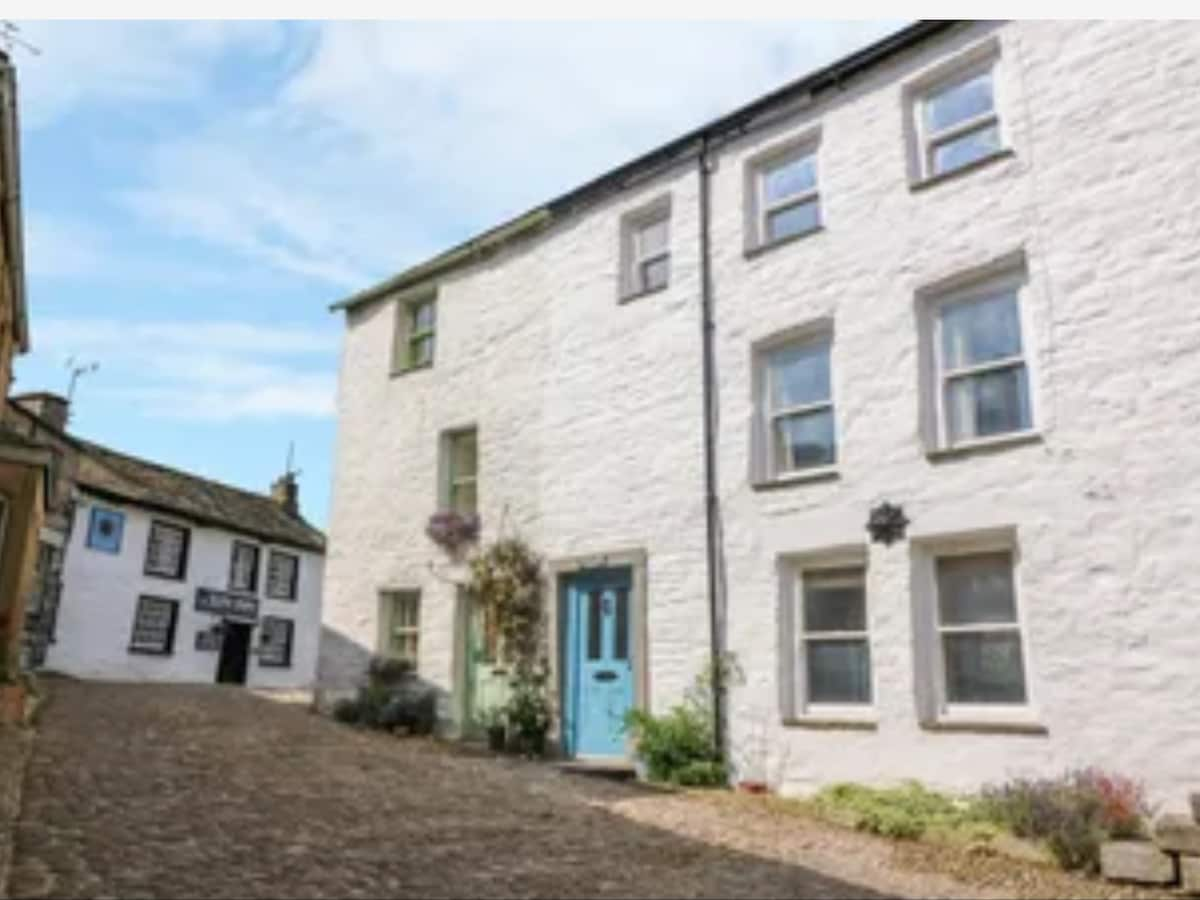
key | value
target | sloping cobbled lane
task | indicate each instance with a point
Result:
(196, 791)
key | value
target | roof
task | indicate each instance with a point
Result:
(11, 226)
(123, 478)
(738, 121)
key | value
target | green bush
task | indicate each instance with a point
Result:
(347, 711)
(906, 812)
(703, 773)
(675, 746)
(1072, 814)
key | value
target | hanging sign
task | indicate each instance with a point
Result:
(224, 603)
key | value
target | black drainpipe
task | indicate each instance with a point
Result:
(710, 462)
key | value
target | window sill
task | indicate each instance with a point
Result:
(824, 473)
(1017, 723)
(165, 577)
(408, 370)
(984, 445)
(757, 250)
(146, 651)
(981, 163)
(638, 295)
(817, 721)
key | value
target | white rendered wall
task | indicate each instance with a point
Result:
(589, 415)
(100, 595)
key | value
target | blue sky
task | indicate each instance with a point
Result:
(196, 194)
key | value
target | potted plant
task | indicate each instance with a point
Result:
(528, 712)
(492, 721)
(452, 531)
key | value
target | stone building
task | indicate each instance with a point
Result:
(943, 285)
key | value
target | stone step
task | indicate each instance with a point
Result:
(1137, 862)
(1177, 833)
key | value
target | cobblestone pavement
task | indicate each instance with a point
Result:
(167, 791)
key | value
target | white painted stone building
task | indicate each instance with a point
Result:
(957, 269)
(171, 577)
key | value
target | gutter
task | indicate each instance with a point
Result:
(755, 114)
(10, 172)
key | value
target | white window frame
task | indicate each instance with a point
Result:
(451, 480)
(293, 595)
(807, 638)
(1013, 279)
(764, 208)
(406, 336)
(769, 470)
(388, 598)
(633, 258)
(939, 711)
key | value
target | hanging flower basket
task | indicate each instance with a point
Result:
(452, 531)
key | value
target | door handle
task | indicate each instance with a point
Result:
(605, 676)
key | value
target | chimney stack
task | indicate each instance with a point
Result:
(52, 409)
(286, 492)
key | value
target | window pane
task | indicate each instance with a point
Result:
(835, 601)
(793, 220)
(165, 551)
(799, 375)
(964, 150)
(654, 274)
(980, 330)
(804, 440)
(989, 403)
(984, 668)
(621, 640)
(281, 575)
(790, 178)
(958, 102)
(422, 351)
(462, 498)
(652, 238)
(975, 590)
(423, 317)
(595, 625)
(839, 671)
(245, 562)
(463, 455)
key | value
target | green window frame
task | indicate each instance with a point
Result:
(461, 480)
(400, 624)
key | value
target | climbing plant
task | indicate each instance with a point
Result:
(507, 576)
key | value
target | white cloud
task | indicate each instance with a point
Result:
(214, 371)
(394, 140)
(56, 247)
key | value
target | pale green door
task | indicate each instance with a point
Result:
(486, 676)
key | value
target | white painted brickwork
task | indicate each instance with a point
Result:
(100, 597)
(589, 415)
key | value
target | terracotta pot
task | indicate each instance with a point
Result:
(752, 787)
(12, 704)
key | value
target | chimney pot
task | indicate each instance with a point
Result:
(286, 492)
(50, 408)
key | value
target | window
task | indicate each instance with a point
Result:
(979, 630)
(956, 121)
(167, 551)
(154, 626)
(982, 382)
(648, 251)
(798, 406)
(243, 568)
(416, 332)
(401, 624)
(105, 528)
(461, 449)
(835, 647)
(275, 642)
(283, 575)
(787, 201)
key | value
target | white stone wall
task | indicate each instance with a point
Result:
(1101, 196)
(589, 414)
(100, 596)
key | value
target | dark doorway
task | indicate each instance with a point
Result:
(235, 653)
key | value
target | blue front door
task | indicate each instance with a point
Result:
(599, 668)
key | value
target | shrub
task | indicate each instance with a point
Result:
(906, 812)
(528, 711)
(703, 773)
(675, 746)
(1073, 814)
(347, 711)
(390, 697)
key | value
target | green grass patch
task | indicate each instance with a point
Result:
(908, 812)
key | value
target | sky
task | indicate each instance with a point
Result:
(196, 194)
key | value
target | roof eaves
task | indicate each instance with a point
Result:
(740, 119)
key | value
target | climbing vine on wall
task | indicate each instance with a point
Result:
(507, 576)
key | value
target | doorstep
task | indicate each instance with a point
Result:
(613, 769)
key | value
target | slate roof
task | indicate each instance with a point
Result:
(122, 477)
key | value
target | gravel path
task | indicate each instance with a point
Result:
(160, 791)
